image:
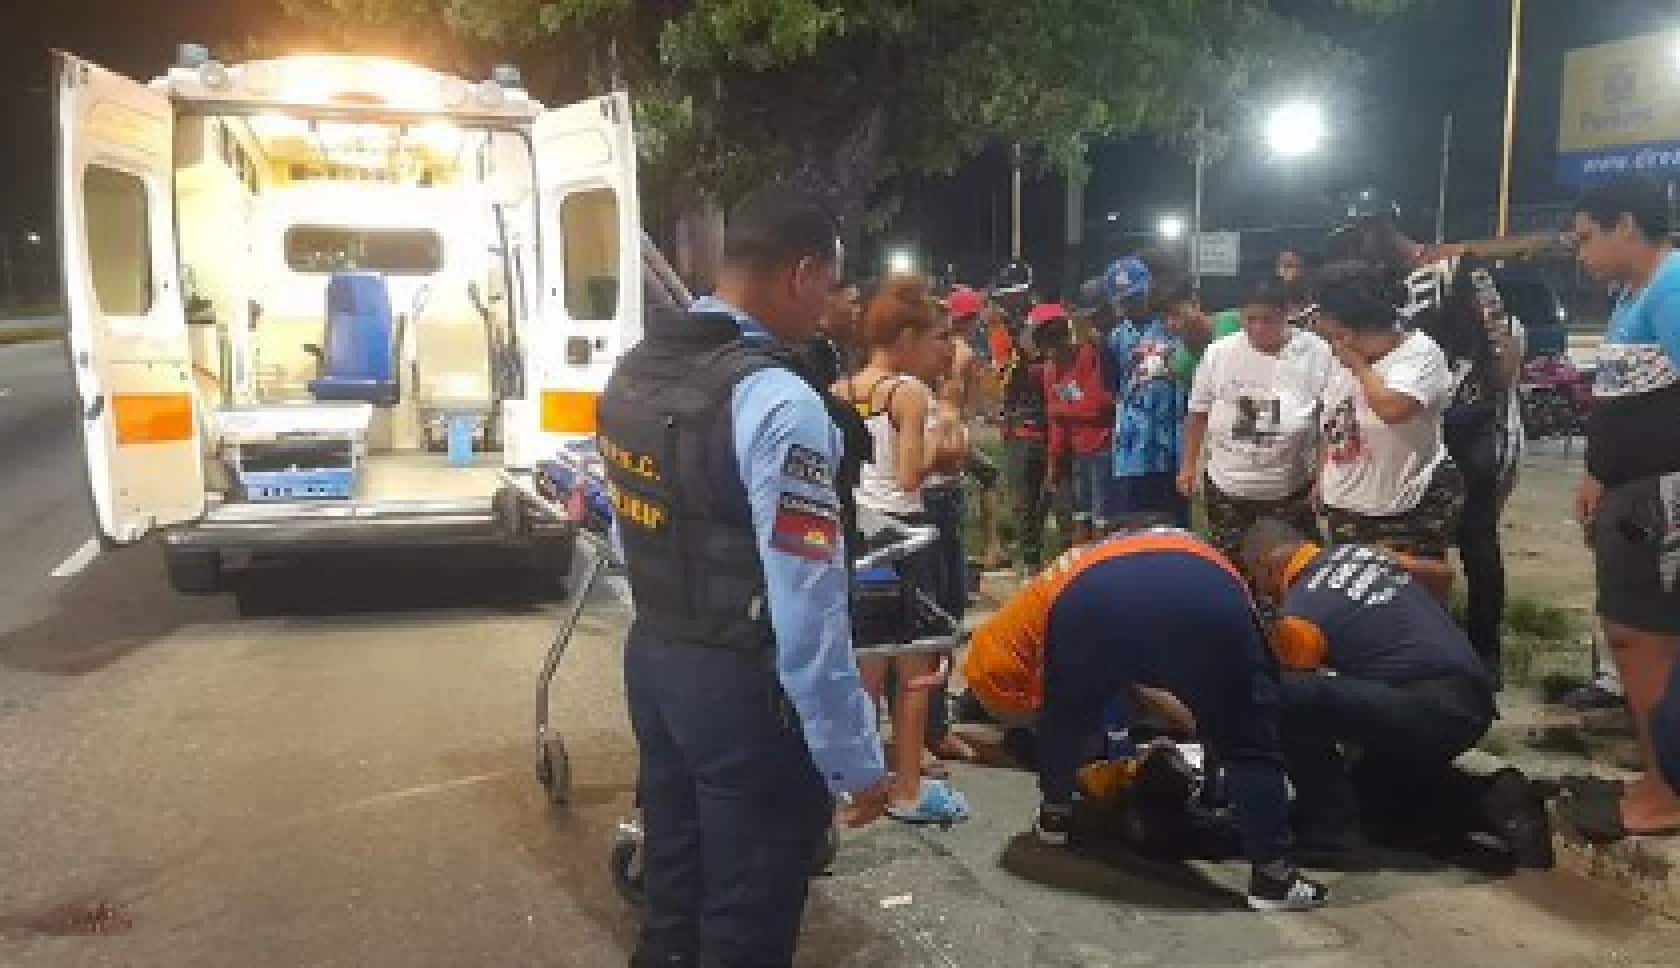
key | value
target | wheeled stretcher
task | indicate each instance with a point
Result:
(891, 618)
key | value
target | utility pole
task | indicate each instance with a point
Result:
(1075, 237)
(1196, 213)
(6, 268)
(1446, 172)
(1511, 73)
(1015, 203)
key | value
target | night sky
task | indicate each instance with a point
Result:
(1446, 55)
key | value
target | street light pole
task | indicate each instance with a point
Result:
(1196, 211)
(1511, 72)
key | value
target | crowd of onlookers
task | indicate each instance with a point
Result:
(1365, 395)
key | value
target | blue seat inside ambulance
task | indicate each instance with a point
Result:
(357, 362)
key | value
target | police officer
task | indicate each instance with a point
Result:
(743, 691)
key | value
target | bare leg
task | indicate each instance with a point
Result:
(909, 729)
(1644, 661)
(990, 520)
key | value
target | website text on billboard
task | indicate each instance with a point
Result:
(1620, 109)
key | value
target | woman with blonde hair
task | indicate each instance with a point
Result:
(915, 436)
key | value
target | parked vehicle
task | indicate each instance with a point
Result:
(1556, 398)
(407, 289)
(1544, 317)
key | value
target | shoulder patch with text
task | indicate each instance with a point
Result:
(805, 464)
(805, 528)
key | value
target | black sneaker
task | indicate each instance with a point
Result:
(1294, 892)
(1054, 826)
(1519, 820)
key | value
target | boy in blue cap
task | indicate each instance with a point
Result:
(1151, 393)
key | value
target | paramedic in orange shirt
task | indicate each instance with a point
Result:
(1155, 609)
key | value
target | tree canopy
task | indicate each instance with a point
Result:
(850, 92)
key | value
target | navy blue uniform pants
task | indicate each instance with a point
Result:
(732, 805)
(1408, 735)
(1175, 621)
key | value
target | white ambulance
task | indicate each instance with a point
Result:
(322, 302)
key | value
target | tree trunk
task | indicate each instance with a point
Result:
(699, 239)
(1073, 255)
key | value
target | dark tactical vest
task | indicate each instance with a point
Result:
(667, 443)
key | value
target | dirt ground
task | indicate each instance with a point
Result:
(1546, 561)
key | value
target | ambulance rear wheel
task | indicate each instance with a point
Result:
(193, 571)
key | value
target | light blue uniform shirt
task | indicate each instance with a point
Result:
(787, 450)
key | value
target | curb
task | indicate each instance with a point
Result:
(1644, 870)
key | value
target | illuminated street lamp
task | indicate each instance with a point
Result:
(33, 238)
(1296, 129)
(900, 261)
(1170, 227)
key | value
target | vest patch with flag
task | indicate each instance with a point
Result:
(805, 527)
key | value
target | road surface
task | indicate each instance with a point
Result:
(334, 768)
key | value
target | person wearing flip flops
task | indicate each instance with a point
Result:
(914, 437)
(1629, 501)
(1158, 609)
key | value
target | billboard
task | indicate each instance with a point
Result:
(1621, 109)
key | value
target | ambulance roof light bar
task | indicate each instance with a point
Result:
(338, 82)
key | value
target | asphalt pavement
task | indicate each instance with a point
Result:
(333, 767)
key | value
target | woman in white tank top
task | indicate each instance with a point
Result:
(915, 436)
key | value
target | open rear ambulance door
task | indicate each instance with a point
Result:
(128, 342)
(589, 224)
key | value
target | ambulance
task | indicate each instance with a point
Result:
(329, 301)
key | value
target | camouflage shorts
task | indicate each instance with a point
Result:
(1230, 518)
(1427, 530)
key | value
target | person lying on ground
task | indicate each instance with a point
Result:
(1374, 664)
(1160, 609)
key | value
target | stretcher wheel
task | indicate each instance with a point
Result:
(625, 866)
(554, 771)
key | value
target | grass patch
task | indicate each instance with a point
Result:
(30, 334)
(1537, 620)
(1528, 619)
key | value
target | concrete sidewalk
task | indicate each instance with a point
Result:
(1549, 741)
(1546, 741)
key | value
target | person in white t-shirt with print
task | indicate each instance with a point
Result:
(1254, 408)
(1385, 476)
